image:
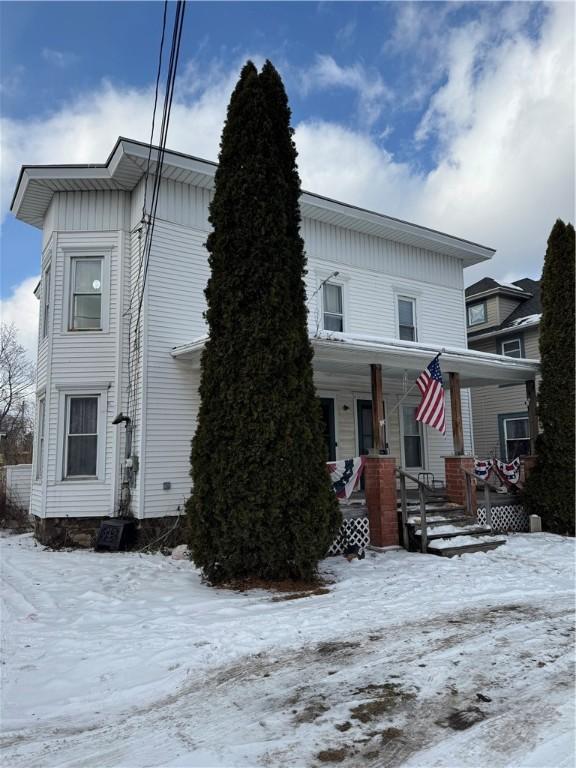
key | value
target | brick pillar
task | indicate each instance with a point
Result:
(380, 485)
(456, 479)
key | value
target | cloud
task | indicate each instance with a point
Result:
(369, 86)
(60, 59)
(501, 121)
(21, 308)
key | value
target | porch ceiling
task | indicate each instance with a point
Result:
(349, 355)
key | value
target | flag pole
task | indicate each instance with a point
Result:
(399, 403)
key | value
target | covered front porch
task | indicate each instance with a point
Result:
(367, 390)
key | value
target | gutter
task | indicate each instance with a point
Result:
(503, 332)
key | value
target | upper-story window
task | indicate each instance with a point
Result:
(407, 318)
(86, 294)
(477, 314)
(46, 302)
(333, 307)
(512, 348)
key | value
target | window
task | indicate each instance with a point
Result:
(46, 303)
(40, 440)
(81, 449)
(512, 348)
(516, 437)
(477, 314)
(412, 437)
(407, 318)
(86, 294)
(333, 307)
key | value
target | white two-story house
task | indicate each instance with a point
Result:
(122, 334)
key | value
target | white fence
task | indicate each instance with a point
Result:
(18, 483)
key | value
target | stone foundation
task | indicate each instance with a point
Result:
(82, 532)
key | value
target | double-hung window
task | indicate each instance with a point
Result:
(516, 437)
(81, 447)
(46, 302)
(512, 348)
(407, 318)
(86, 294)
(477, 314)
(40, 440)
(412, 437)
(333, 307)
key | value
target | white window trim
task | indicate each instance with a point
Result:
(40, 438)
(424, 451)
(515, 439)
(518, 341)
(64, 393)
(46, 299)
(86, 253)
(342, 280)
(477, 322)
(406, 297)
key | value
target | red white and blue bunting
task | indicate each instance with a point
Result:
(345, 474)
(509, 472)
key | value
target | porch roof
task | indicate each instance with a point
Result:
(351, 354)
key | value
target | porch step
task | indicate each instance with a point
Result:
(450, 547)
(449, 531)
(433, 521)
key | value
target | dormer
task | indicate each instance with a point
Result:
(489, 303)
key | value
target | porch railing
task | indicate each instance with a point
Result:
(422, 489)
(488, 487)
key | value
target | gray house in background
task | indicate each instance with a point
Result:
(503, 318)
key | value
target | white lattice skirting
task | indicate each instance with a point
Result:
(506, 518)
(353, 531)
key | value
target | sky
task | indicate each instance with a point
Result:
(457, 116)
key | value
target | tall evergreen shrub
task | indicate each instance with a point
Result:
(550, 488)
(261, 504)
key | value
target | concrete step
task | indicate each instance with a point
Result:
(451, 547)
(452, 531)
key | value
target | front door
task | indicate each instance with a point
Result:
(364, 416)
(327, 404)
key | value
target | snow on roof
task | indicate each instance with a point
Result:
(528, 320)
(511, 286)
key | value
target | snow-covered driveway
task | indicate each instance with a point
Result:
(128, 660)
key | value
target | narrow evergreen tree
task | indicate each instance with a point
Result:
(261, 504)
(550, 488)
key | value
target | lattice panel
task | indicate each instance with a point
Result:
(506, 518)
(354, 531)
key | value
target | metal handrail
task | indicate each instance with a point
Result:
(422, 488)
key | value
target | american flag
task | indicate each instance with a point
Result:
(431, 410)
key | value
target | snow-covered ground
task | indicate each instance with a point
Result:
(409, 659)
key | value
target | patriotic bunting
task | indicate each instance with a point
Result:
(345, 474)
(509, 472)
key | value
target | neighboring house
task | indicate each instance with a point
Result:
(503, 318)
(385, 296)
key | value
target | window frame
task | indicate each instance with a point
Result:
(414, 302)
(503, 418)
(71, 253)
(74, 261)
(519, 338)
(324, 311)
(68, 435)
(421, 435)
(46, 288)
(484, 313)
(101, 391)
(41, 437)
